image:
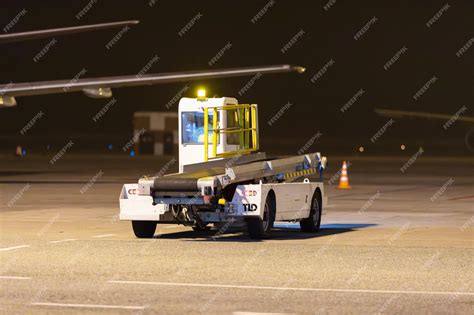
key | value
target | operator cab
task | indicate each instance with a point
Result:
(231, 129)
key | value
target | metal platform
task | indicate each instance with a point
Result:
(224, 173)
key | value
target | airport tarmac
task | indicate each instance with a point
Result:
(397, 242)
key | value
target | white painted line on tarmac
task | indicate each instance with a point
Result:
(65, 240)
(123, 307)
(13, 247)
(103, 235)
(15, 278)
(230, 286)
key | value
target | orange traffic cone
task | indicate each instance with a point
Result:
(344, 179)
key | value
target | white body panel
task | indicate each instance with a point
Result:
(293, 202)
(136, 207)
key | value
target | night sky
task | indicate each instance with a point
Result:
(320, 34)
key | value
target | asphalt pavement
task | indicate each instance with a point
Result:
(400, 241)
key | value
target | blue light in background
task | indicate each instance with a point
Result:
(132, 153)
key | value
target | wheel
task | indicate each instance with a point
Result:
(259, 228)
(144, 229)
(312, 223)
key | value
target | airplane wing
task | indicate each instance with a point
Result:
(16, 37)
(409, 114)
(101, 87)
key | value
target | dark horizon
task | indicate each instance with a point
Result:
(320, 35)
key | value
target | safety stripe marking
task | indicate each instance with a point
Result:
(301, 173)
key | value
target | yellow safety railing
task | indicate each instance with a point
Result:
(247, 130)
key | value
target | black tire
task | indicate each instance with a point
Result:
(144, 229)
(258, 228)
(198, 228)
(313, 222)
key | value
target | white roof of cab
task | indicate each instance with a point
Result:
(187, 103)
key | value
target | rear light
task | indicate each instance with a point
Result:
(206, 199)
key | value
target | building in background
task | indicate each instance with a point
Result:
(158, 133)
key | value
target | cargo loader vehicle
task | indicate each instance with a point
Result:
(223, 180)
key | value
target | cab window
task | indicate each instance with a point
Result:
(193, 127)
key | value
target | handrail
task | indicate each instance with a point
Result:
(247, 130)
